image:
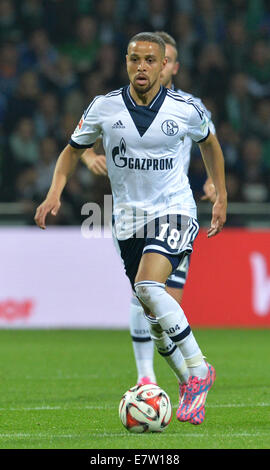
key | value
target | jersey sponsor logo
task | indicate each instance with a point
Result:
(121, 160)
(118, 125)
(170, 127)
(118, 154)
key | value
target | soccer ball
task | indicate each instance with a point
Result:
(145, 408)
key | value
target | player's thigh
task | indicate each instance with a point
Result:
(153, 267)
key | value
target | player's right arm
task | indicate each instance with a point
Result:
(65, 166)
(85, 135)
(95, 159)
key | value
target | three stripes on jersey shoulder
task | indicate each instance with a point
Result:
(177, 97)
(172, 94)
(112, 93)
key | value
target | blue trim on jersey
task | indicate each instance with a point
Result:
(177, 97)
(114, 93)
(109, 95)
(90, 105)
(143, 116)
(197, 101)
(79, 146)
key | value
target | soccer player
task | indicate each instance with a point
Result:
(154, 211)
(143, 346)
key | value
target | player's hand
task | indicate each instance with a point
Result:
(209, 191)
(218, 217)
(98, 165)
(51, 205)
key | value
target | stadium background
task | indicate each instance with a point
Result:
(55, 56)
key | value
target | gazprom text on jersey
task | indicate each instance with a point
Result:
(145, 163)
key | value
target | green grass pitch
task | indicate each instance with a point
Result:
(61, 390)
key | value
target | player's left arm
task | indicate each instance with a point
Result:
(214, 162)
(208, 187)
(209, 190)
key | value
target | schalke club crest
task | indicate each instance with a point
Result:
(170, 127)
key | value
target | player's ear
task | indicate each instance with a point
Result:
(164, 62)
(176, 68)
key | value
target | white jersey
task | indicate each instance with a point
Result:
(188, 141)
(143, 147)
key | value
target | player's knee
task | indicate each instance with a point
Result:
(149, 291)
(143, 292)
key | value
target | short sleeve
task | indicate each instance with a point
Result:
(212, 127)
(198, 128)
(208, 114)
(88, 129)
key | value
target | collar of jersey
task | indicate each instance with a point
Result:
(143, 116)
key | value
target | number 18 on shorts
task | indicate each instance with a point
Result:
(172, 234)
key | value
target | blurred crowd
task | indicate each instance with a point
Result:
(56, 55)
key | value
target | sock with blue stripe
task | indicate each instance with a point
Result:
(170, 352)
(173, 321)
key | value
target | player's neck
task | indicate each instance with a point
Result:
(144, 99)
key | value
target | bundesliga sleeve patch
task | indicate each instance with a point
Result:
(204, 125)
(79, 126)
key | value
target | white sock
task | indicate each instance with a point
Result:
(170, 352)
(143, 346)
(173, 321)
